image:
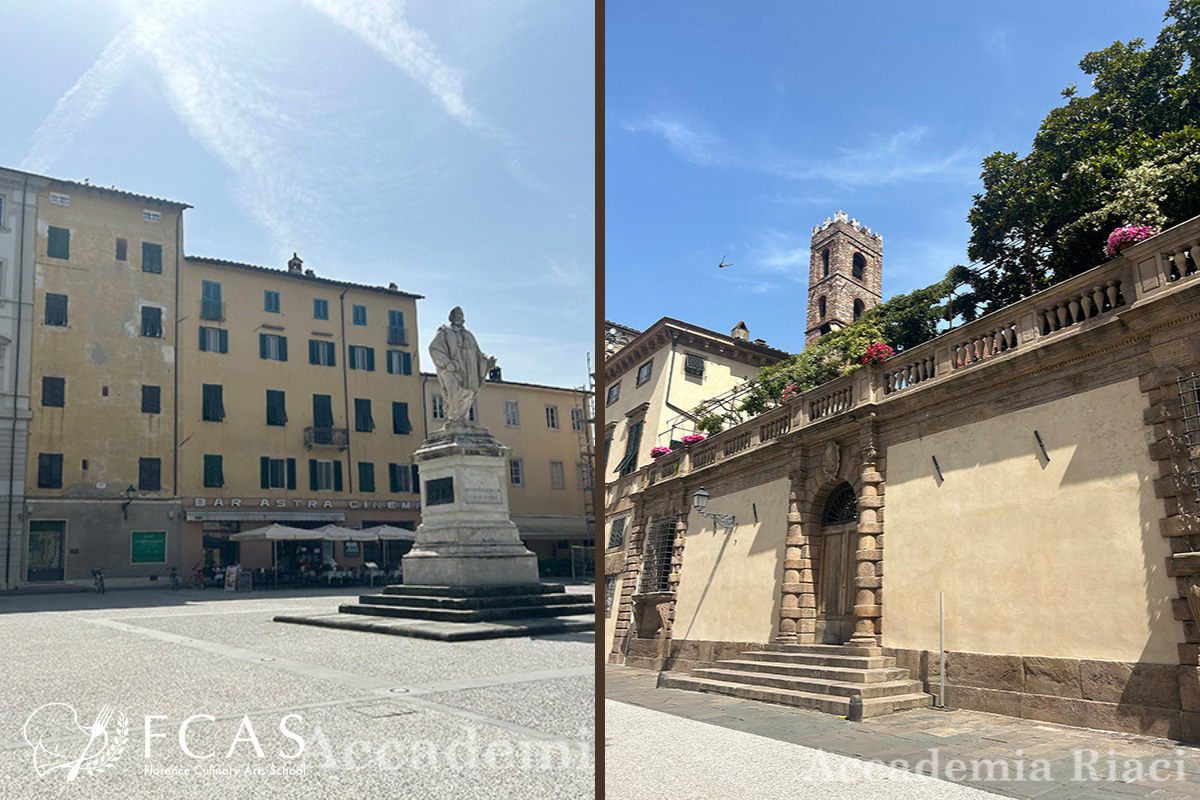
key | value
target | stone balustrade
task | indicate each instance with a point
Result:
(908, 374)
(828, 402)
(1091, 301)
(981, 344)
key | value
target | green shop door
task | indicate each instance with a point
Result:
(47, 541)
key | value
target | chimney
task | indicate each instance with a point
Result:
(740, 332)
(393, 286)
(295, 266)
(310, 273)
(494, 374)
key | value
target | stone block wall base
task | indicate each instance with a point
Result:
(486, 568)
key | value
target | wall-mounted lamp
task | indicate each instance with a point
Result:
(128, 494)
(700, 501)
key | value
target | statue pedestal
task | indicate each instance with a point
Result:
(466, 537)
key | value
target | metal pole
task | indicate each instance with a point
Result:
(942, 648)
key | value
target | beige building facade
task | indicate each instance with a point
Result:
(1031, 468)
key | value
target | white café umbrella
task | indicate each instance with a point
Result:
(275, 533)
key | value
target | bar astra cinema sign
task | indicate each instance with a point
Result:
(264, 502)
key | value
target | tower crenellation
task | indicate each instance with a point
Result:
(845, 275)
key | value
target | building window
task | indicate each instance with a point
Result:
(59, 243)
(366, 476)
(403, 478)
(660, 547)
(213, 403)
(322, 353)
(272, 347)
(359, 314)
(614, 392)
(610, 588)
(211, 306)
(552, 417)
(277, 473)
(693, 365)
(50, 470)
(151, 400)
(362, 358)
(151, 216)
(214, 472)
(515, 476)
(276, 408)
(149, 474)
(151, 257)
(400, 421)
(363, 422)
(859, 266)
(122, 249)
(825, 263)
(152, 322)
(396, 328)
(437, 407)
(512, 414)
(584, 474)
(320, 308)
(60, 199)
(399, 362)
(325, 476)
(577, 418)
(643, 373)
(859, 308)
(214, 340)
(633, 441)
(616, 533)
(56, 310)
(322, 411)
(54, 392)
(271, 302)
(558, 479)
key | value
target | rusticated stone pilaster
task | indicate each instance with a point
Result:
(797, 572)
(868, 571)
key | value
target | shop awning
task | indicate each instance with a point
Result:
(550, 527)
(264, 515)
(276, 533)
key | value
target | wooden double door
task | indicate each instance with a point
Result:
(835, 568)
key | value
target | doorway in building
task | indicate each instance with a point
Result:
(47, 544)
(835, 575)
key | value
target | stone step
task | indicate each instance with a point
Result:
(820, 659)
(890, 688)
(473, 591)
(469, 615)
(872, 707)
(821, 673)
(458, 602)
(828, 649)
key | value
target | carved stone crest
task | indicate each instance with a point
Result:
(831, 460)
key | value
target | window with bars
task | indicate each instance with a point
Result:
(660, 546)
(616, 532)
(841, 507)
(693, 365)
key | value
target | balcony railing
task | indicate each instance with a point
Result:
(1142, 273)
(327, 437)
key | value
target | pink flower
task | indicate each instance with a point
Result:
(656, 452)
(876, 353)
(692, 438)
(1121, 238)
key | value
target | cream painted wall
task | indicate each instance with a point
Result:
(1035, 558)
(729, 590)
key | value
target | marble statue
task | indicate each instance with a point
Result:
(461, 367)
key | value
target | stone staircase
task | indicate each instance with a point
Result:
(816, 676)
(472, 604)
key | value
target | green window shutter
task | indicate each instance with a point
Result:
(407, 362)
(59, 243)
(291, 473)
(264, 468)
(312, 474)
(151, 257)
(370, 359)
(366, 476)
(313, 358)
(283, 348)
(203, 339)
(400, 423)
(332, 354)
(262, 345)
(223, 336)
(416, 479)
(394, 477)
(337, 475)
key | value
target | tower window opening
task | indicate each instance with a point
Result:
(825, 263)
(859, 308)
(821, 307)
(860, 264)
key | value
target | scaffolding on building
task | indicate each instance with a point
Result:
(583, 557)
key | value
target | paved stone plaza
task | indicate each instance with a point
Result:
(671, 743)
(378, 715)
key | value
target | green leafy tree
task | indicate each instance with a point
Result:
(1127, 154)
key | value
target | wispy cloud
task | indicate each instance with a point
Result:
(81, 104)
(903, 155)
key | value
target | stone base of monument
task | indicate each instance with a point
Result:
(468, 575)
(460, 613)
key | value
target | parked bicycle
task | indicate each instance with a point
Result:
(175, 578)
(197, 579)
(98, 575)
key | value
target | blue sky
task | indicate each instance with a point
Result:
(446, 146)
(732, 128)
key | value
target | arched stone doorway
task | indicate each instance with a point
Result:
(835, 562)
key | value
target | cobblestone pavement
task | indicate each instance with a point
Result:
(378, 715)
(1001, 755)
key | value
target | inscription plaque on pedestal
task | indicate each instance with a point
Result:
(439, 491)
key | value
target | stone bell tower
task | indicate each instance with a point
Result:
(846, 276)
